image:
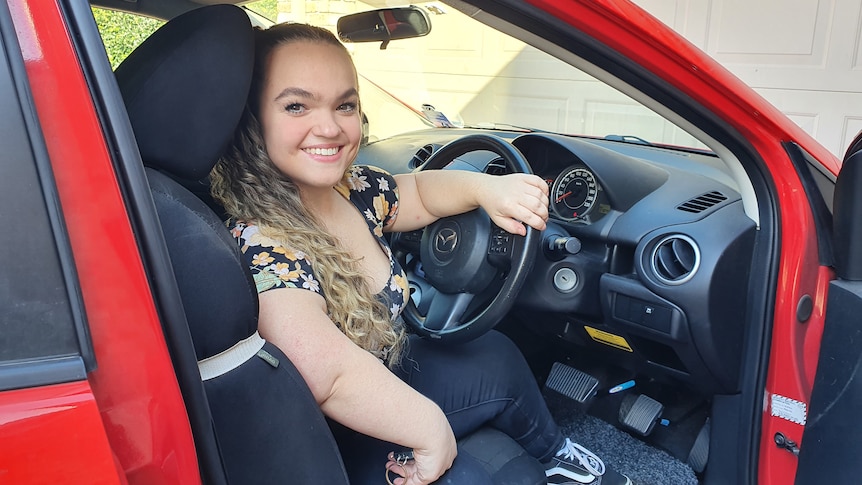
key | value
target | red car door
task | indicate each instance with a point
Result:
(89, 390)
(50, 426)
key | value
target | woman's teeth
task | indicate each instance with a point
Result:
(322, 151)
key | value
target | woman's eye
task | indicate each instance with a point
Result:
(347, 107)
(294, 108)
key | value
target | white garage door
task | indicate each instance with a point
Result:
(804, 56)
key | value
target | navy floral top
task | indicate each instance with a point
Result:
(275, 265)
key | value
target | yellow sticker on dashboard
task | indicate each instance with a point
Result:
(606, 338)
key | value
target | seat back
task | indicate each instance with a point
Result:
(185, 88)
(846, 206)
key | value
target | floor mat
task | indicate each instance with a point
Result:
(644, 464)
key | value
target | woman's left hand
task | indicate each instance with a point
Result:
(514, 200)
(412, 470)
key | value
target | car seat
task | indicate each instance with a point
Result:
(185, 88)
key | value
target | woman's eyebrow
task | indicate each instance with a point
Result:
(298, 92)
(350, 92)
(302, 93)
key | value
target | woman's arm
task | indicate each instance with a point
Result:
(351, 385)
(511, 200)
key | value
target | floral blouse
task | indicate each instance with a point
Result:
(274, 265)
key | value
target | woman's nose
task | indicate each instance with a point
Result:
(326, 125)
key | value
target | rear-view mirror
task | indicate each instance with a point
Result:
(384, 25)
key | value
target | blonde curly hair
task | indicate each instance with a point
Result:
(252, 189)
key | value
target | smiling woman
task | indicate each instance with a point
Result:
(693, 257)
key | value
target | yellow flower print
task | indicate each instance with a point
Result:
(288, 253)
(262, 258)
(393, 211)
(381, 207)
(285, 273)
(253, 237)
(401, 283)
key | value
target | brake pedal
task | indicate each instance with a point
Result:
(572, 383)
(640, 413)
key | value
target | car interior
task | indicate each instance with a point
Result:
(641, 308)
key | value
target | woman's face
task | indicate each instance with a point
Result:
(309, 112)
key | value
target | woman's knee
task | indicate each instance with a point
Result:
(465, 470)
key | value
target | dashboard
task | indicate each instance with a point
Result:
(646, 254)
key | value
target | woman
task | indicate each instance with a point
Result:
(310, 226)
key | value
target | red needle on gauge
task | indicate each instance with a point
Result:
(563, 197)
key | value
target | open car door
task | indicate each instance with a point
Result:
(837, 392)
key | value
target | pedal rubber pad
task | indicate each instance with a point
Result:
(639, 413)
(699, 453)
(572, 383)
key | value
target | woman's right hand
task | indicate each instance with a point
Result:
(427, 465)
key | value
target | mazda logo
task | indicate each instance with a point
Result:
(446, 240)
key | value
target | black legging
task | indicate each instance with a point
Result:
(482, 382)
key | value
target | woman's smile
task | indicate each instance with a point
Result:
(320, 151)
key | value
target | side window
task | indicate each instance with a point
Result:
(121, 32)
(265, 8)
(43, 337)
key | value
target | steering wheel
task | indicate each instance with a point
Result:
(470, 270)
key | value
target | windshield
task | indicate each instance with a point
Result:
(467, 74)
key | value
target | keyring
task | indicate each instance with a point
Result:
(400, 458)
(389, 480)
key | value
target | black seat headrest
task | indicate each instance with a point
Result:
(855, 146)
(184, 88)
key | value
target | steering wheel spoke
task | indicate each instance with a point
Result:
(447, 311)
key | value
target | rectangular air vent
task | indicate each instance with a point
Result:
(702, 202)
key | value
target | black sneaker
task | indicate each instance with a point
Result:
(576, 465)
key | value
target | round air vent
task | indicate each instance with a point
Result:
(675, 259)
(421, 156)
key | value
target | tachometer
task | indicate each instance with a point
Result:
(574, 193)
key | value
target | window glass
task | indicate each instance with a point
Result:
(37, 319)
(121, 32)
(476, 76)
(480, 77)
(266, 8)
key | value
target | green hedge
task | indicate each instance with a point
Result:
(122, 32)
(267, 8)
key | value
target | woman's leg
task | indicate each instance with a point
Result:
(484, 381)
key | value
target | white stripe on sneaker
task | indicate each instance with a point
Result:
(565, 472)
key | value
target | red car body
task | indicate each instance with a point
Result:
(125, 421)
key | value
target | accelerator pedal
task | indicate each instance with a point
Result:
(640, 413)
(572, 383)
(699, 453)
